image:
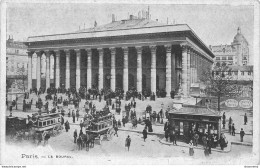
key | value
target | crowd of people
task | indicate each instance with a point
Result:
(74, 97)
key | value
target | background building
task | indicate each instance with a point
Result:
(16, 63)
(133, 53)
(235, 58)
(237, 53)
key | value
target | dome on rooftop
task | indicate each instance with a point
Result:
(239, 37)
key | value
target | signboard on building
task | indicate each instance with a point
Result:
(237, 103)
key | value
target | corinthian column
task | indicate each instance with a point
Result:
(184, 71)
(168, 70)
(188, 72)
(89, 69)
(139, 69)
(47, 53)
(153, 69)
(29, 70)
(38, 70)
(125, 70)
(113, 69)
(57, 78)
(101, 69)
(67, 83)
(77, 69)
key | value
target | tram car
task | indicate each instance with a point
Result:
(47, 122)
(100, 125)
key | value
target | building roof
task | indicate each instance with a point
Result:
(195, 110)
(132, 26)
(124, 24)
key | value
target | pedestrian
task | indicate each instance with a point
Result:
(116, 129)
(174, 138)
(242, 133)
(196, 139)
(206, 151)
(123, 121)
(77, 114)
(229, 128)
(222, 141)
(75, 135)
(204, 140)
(233, 129)
(67, 125)
(144, 133)
(245, 119)
(73, 116)
(230, 120)
(224, 120)
(81, 125)
(209, 144)
(128, 142)
(191, 150)
(166, 134)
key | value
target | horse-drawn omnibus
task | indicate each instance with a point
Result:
(23, 128)
(100, 125)
(50, 122)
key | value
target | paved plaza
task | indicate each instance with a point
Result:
(155, 145)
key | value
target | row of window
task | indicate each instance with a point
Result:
(225, 58)
(236, 73)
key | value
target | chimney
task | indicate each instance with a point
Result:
(113, 18)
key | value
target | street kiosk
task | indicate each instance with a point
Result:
(191, 118)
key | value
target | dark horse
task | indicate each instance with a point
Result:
(88, 140)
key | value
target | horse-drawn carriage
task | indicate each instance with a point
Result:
(50, 122)
(33, 127)
(100, 124)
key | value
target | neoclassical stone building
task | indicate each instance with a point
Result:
(136, 52)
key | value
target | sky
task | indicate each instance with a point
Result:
(213, 24)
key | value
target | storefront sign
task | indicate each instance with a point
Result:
(245, 103)
(231, 103)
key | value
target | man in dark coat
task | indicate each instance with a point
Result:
(123, 121)
(224, 120)
(67, 125)
(144, 134)
(73, 116)
(128, 142)
(77, 114)
(242, 133)
(174, 137)
(233, 129)
(116, 129)
(245, 119)
(75, 135)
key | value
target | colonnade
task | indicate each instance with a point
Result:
(192, 63)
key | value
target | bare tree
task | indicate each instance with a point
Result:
(220, 83)
(21, 74)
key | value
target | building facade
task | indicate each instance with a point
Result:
(16, 62)
(136, 52)
(237, 53)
